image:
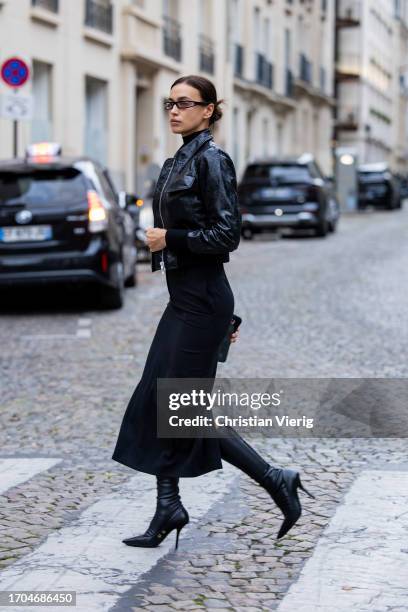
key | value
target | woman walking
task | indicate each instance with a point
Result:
(197, 224)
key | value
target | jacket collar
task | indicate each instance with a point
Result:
(187, 151)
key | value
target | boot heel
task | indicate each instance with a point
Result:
(299, 484)
(177, 536)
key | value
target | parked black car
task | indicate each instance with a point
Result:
(287, 192)
(61, 220)
(378, 187)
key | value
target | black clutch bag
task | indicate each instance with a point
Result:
(225, 344)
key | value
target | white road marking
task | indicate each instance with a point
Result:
(361, 561)
(16, 471)
(83, 333)
(84, 328)
(84, 322)
(88, 556)
(47, 336)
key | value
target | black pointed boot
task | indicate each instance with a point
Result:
(281, 484)
(170, 514)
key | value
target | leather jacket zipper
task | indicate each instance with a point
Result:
(162, 266)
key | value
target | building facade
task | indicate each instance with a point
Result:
(371, 85)
(101, 69)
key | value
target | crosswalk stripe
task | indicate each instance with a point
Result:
(15, 471)
(360, 561)
(88, 555)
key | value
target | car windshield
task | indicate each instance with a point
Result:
(283, 173)
(372, 177)
(42, 187)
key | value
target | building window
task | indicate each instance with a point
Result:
(305, 68)
(49, 5)
(96, 119)
(99, 15)
(265, 136)
(41, 124)
(171, 37)
(206, 44)
(235, 136)
(235, 29)
(172, 45)
(207, 56)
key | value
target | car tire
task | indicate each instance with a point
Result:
(112, 298)
(332, 226)
(131, 280)
(322, 228)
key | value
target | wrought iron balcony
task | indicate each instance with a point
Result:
(49, 5)
(305, 69)
(99, 16)
(347, 117)
(207, 56)
(263, 71)
(238, 60)
(171, 37)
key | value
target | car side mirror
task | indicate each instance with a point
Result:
(128, 200)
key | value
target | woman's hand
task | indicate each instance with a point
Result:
(155, 238)
(234, 336)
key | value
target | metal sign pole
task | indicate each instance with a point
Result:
(15, 134)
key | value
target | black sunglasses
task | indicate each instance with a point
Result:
(168, 104)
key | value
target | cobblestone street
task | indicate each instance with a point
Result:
(334, 307)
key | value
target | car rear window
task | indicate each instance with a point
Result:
(42, 187)
(371, 177)
(285, 173)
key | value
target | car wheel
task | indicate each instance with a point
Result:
(113, 298)
(131, 280)
(322, 228)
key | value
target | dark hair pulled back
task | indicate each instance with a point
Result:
(207, 91)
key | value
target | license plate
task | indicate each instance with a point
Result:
(29, 233)
(278, 192)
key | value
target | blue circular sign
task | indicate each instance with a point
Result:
(15, 72)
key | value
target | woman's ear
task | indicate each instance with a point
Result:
(209, 111)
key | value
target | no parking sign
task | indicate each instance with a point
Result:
(15, 72)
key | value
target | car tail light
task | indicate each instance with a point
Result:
(97, 215)
(104, 262)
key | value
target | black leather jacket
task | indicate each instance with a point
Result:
(196, 201)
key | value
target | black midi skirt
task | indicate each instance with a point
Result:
(185, 345)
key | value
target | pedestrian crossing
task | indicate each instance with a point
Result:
(16, 471)
(361, 559)
(88, 556)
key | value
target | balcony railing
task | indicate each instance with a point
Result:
(99, 16)
(171, 37)
(305, 68)
(289, 83)
(207, 57)
(348, 117)
(49, 5)
(238, 60)
(263, 71)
